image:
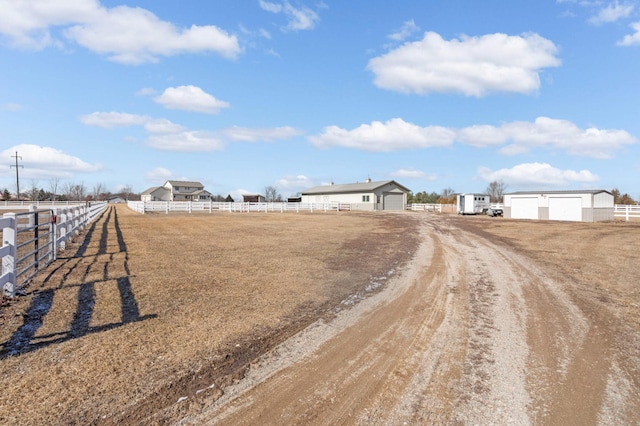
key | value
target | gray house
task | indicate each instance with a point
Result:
(176, 190)
(368, 195)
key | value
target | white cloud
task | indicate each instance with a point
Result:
(163, 125)
(632, 39)
(146, 91)
(166, 135)
(190, 98)
(395, 134)
(290, 185)
(247, 134)
(537, 174)
(186, 141)
(125, 34)
(299, 18)
(551, 133)
(12, 107)
(270, 7)
(412, 174)
(518, 137)
(474, 66)
(408, 28)
(113, 119)
(43, 162)
(160, 174)
(612, 13)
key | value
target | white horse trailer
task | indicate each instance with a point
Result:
(473, 203)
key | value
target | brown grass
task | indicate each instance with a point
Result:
(151, 308)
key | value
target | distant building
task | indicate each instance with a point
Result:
(368, 195)
(176, 190)
(253, 198)
(577, 206)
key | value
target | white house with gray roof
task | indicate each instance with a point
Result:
(574, 205)
(368, 195)
(176, 190)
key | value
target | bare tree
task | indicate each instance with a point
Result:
(54, 182)
(271, 194)
(34, 190)
(98, 190)
(447, 193)
(75, 192)
(126, 191)
(496, 190)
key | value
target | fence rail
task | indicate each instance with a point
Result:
(25, 205)
(31, 240)
(626, 211)
(213, 206)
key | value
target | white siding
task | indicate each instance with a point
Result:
(603, 200)
(524, 207)
(565, 208)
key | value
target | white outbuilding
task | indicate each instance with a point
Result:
(577, 206)
(368, 195)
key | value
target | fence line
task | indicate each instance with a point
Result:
(427, 207)
(31, 240)
(24, 205)
(214, 206)
(626, 211)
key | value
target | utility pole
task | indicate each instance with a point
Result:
(17, 166)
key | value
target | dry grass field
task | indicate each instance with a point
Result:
(151, 310)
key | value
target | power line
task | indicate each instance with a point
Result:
(17, 166)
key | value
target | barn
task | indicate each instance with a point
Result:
(577, 206)
(368, 195)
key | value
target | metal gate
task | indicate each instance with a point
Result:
(33, 247)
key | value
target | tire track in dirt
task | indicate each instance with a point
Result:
(472, 333)
(365, 367)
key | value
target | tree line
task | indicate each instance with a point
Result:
(68, 191)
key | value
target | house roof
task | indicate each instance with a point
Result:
(184, 183)
(352, 187)
(152, 190)
(571, 191)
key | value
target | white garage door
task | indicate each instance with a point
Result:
(524, 208)
(565, 209)
(393, 201)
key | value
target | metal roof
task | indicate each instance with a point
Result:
(153, 189)
(184, 183)
(351, 187)
(571, 191)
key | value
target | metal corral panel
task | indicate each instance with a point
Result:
(393, 201)
(565, 208)
(524, 207)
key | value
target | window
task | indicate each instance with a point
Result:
(365, 198)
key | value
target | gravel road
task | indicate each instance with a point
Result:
(472, 332)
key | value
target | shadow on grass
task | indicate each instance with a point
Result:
(24, 339)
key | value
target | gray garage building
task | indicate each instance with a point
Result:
(368, 195)
(578, 206)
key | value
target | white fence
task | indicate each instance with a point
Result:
(25, 205)
(213, 206)
(425, 207)
(30, 240)
(626, 211)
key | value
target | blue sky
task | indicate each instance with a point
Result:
(246, 94)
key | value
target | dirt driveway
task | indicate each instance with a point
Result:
(330, 319)
(474, 332)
